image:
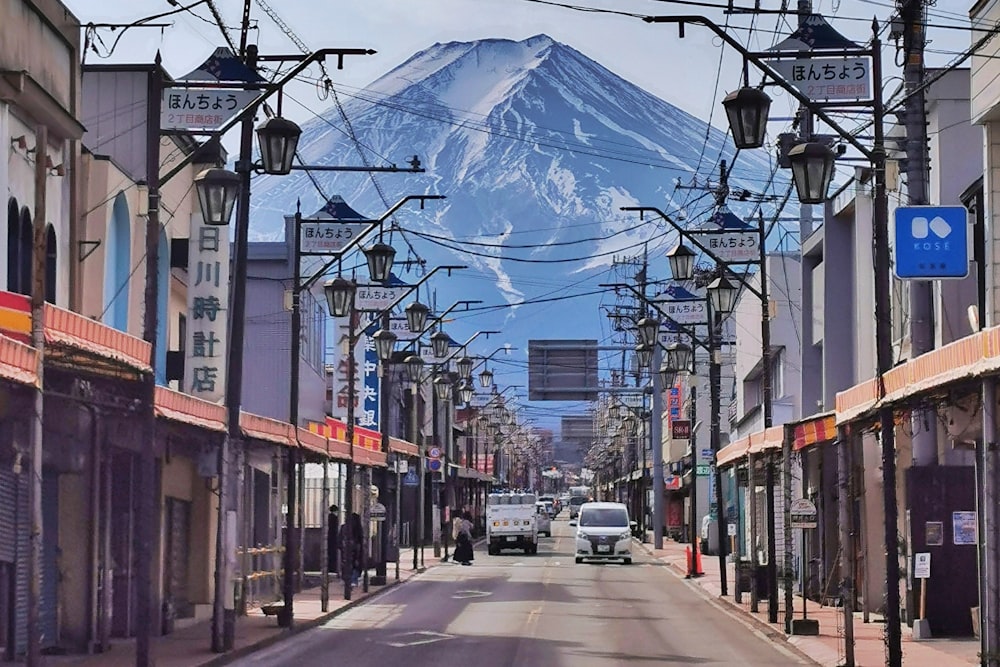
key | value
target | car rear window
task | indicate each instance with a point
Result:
(604, 517)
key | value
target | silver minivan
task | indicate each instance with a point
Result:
(603, 532)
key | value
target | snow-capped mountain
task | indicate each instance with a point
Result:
(536, 148)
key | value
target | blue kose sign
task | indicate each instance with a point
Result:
(932, 242)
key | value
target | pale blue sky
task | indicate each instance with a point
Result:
(682, 72)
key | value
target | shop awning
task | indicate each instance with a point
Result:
(821, 428)
(967, 358)
(80, 340)
(369, 457)
(732, 453)
(765, 441)
(403, 447)
(18, 362)
(187, 409)
(320, 444)
(265, 428)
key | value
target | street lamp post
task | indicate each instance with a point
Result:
(812, 170)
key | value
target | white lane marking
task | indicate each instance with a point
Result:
(418, 638)
(461, 595)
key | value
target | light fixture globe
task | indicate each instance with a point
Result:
(678, 357)
(722, 295)
(466, 392)
(812, 170)
(649, 329)
(442, 388)
(498, 411)
(278, 139)
(486, 378)
(385, 342)
(464, 366)
(340, 295)
(380, 256)
(645, 355)
(217, 190)
(414, 364)
(747, 111)
(440, 342)
(668, 376)
(416, 317)
(681, 260)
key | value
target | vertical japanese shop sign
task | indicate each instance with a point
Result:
(341, 373)
(368, 415)
(208, 308)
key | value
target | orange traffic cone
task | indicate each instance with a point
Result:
(697, 560)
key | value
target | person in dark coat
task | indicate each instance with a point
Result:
(351, 562)
(332, 537)
(463, 539)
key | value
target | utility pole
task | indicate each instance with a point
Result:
(912, 13)
(34, 656)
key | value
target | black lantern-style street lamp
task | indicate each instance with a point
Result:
(648, 330)
(416, 317)
(217, 191)
(498, 411)
(442, 387)
(440, 342)
(385, 341)
(812, 170)
(340, 295)
(668, 376)
(681, 260)
(414, 364)
(278, 139)
(486, 378)
(747, 110)
(722, 295)
(465, 392)
(645, 355)
(464, 366)
(678, 357)
(380, 257)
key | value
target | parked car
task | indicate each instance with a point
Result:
(542, 518)
(604, 532)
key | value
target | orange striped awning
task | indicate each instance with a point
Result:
(18, 362)
(191, 410)
(814, 431)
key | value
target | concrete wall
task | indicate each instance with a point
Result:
(43, 38)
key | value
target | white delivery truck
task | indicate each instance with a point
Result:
(510, 522)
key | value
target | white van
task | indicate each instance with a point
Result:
(604, 532)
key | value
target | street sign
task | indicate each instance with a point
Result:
(703, 469)
(202, 108)
(827, 79)
(680, 429)
(327, 237)
(803, 513)
(732, 247)
(434, 465)
(411, 479)
(731, 529)
(378, 297)
(683, 312)
(377, 512)
(402, 466)
(434, 452)
(706, 455)
(932, 242)
(922, 566)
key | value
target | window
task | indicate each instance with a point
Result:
(594, 517)
(777, 376)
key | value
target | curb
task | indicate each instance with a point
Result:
(762, 629)
(250, 649)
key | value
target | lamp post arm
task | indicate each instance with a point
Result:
(757, 60)
(449, 268)
(686, 233)
(269, 89)
(683, 329)
(368, 230)
(483, 360)
(464, 345)
(438, 318)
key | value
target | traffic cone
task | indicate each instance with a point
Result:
(697, 560)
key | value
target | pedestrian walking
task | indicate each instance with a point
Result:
(351, 555)
(462, 531)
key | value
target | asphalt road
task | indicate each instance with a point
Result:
(514, 610)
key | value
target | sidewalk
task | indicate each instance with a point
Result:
(827, 648)
(191, 646)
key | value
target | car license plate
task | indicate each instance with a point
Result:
(603, 548)
(511, 539)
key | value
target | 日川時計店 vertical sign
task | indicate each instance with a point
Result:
(208, 299)
(832, 78)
